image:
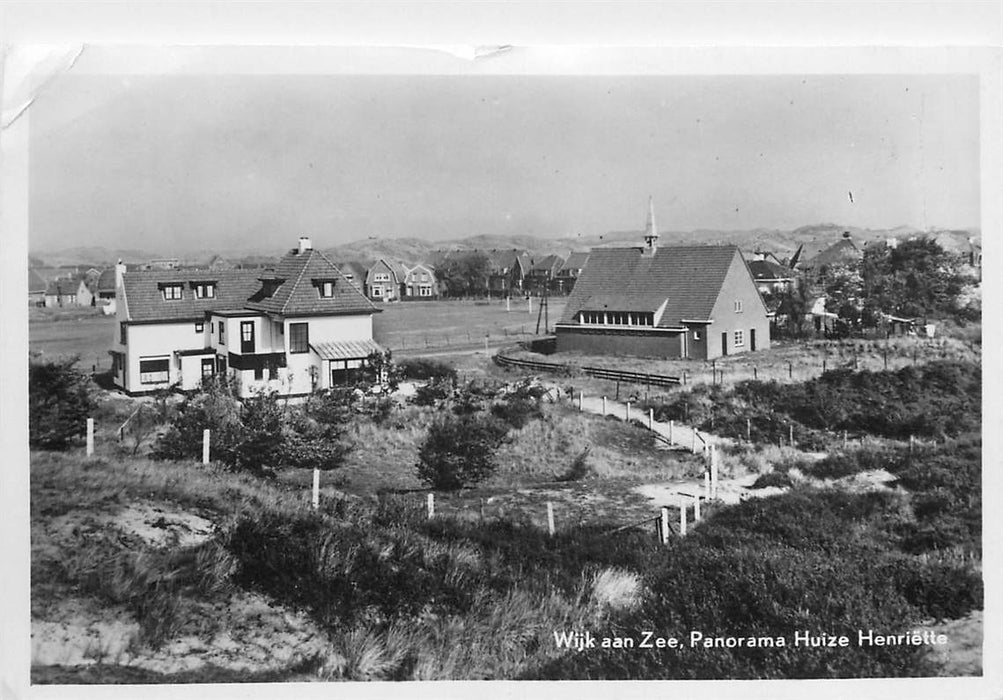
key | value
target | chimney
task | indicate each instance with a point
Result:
(650, 230)
(305, 244)
(119, 271)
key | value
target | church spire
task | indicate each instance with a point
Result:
(650, 230)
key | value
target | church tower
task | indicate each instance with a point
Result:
(650, 230)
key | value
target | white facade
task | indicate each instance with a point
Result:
(147, 345)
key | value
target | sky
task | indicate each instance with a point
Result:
(192, 162)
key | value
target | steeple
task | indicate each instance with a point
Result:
(650, 230)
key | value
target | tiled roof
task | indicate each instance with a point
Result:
(508, 260)
(297, 294)
(550, 264)
(767, 270)
(144, 299)
(687, 279)
(842, 251)
(346, 350)
(63, 287)
(35, 282)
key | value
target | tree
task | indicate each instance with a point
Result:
(460, 450)
(465, 274)
(59, 403)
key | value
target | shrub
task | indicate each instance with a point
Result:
(459, 451)
(424, 368)
(773, 479)
(59, 403)
(432, 393)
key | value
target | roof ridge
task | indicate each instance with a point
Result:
(292, 289)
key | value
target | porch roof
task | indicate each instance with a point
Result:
(346, 350)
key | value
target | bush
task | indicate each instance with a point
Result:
(432, 393)
(459, 451)
(773, 479)
(423, 368)
(59, 403)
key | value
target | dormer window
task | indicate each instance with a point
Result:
(204, 290)
(172, 291)
(325, 287)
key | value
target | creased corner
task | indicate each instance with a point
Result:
(27, 71)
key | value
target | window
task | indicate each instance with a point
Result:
(204, 290)
(424, 291)
(377, 291)
(123, 332)
(327, 288)
(273, 373)
(199, 327)
(208, 365)
(381, 277)
(738, 306)
(247, 336)
(222, 332)
(299, 337)
(154, 371)
(739, 339)
(424, 277)
(172, 292)
(259, 373)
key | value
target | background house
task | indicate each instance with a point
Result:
(420, 283)
(697, 302)
(508, 271)
(69, 291)
(569, 272)
(355, 272)
(384, 280)
(36, 289)
(543, 274)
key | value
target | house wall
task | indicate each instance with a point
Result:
(612, 341)
(155, 341)
(321, 329)
(738, 286)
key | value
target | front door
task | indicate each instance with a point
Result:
(724, 343)
(752, 340)
(246, 337)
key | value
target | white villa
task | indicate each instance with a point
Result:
(293, 330)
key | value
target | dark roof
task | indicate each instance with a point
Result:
(687, 279)
(767, 270)
(35, 282)
(144, 299)
(576, 261)
(63, 287)
(356, 269)
(550, 264)
(508, 260)
(297, 293)
(396, 268)
(106, 282)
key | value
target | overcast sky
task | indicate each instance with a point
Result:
(177, 163)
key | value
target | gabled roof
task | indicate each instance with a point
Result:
(504, 261)
(63, 287)
(297, 293)
(576, 261)
(687, 279)
(35, 283)
(396, 268)
(549, 265)
(144, 299)
(842, 251)
(768, 270)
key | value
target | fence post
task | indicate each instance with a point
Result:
(696, 508)
(90, 436)
(713, 471)
(485, 343)
(672, 424)
(665, 525)
(790, 434)
(430, 505)
(912, 443)
(694, 440)
(651, 419)
(604, 405)
(205, 446)
(790, 370)
(316, 489)
(748, 430)
(844, 439)
(682, 516)
(508, 303)
(755, 372)
(706, 485)
(529, 304)
(581, 399)
(550, 518)
(626, 413)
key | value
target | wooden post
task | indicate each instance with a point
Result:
(626, 413)
(651, 419)
(665, 525)
(694, 440)
(823, 365)
(713, 471)
(508, 303)
(90, 436)
(672, 424)
(430, 505)
(316, 489)
(790, 434)
(485, 343)
(604, 405)
(748, 429)
(682, 516)
(844, 439)
(790, 370)
(581, 399)
(529, 304)
(696, 508)
(755, 372)
(912, 443)
(617, 389)
(706, 485)
(205, 446)
(550, 518)
(482, 510)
